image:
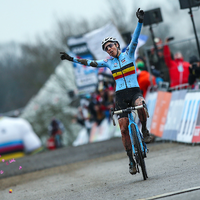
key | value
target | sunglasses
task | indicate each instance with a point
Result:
(110, 46)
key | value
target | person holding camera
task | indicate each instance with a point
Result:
(194, 70)
(157, 62)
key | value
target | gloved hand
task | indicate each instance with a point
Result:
(140, 15)
(65, 56)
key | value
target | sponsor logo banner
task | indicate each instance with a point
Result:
(176, 107)
(189, 117)
(160, 113)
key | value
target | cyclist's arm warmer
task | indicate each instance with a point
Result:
(132, 46)
(92, 63)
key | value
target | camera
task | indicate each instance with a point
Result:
(170, 39)
(193, 68)
(194, 65)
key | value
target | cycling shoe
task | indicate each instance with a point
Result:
(147, 137)
(132, 168)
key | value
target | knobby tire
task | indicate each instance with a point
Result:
(139, 152)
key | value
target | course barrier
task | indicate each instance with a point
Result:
(175, 115)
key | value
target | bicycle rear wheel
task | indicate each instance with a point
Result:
(139, 152)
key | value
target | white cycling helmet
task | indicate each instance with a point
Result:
(109, 39)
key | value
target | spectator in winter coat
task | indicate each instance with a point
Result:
(145, 79)
(178, 68)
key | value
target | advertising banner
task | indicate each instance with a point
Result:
(174, 115)
(189, 117)
(151, 99)
(196, 133)
(94, 39)
(160, 113)
(85, 76)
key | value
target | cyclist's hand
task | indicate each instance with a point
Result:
(65, 56)
(140, 15)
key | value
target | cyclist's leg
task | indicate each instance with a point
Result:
(137, 101)
(141, 112)
(123, 124)
(143, 119)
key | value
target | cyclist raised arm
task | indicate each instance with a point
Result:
(128, 93)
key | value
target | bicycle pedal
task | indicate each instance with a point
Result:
(147, 150)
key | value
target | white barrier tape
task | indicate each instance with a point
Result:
(171, 193)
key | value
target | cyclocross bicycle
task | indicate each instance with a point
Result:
(138, 145)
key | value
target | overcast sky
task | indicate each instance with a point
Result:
(22, 20)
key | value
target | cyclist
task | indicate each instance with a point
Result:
(128, 93)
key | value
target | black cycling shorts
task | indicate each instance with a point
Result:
(126, 98)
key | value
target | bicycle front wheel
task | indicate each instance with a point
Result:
(139, 152)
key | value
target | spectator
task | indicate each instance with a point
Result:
(157, 60)
(84, 117)
(79, 117)
(102, 101)
(97, 106)
(145, 79)
(56, 129)
(194, 70)
(107, 100)
(141, 64)
(178, 68)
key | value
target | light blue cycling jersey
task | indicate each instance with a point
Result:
(123, 68)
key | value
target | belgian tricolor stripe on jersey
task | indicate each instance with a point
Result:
(124, 71)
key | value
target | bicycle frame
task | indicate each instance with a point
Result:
(132, 121)
(139, 135)
(135, 134)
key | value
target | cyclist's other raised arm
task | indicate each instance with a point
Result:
(92, 63)
(133, 44)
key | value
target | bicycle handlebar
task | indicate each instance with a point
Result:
(128, 110)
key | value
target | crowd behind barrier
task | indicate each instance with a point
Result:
(174, 115)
